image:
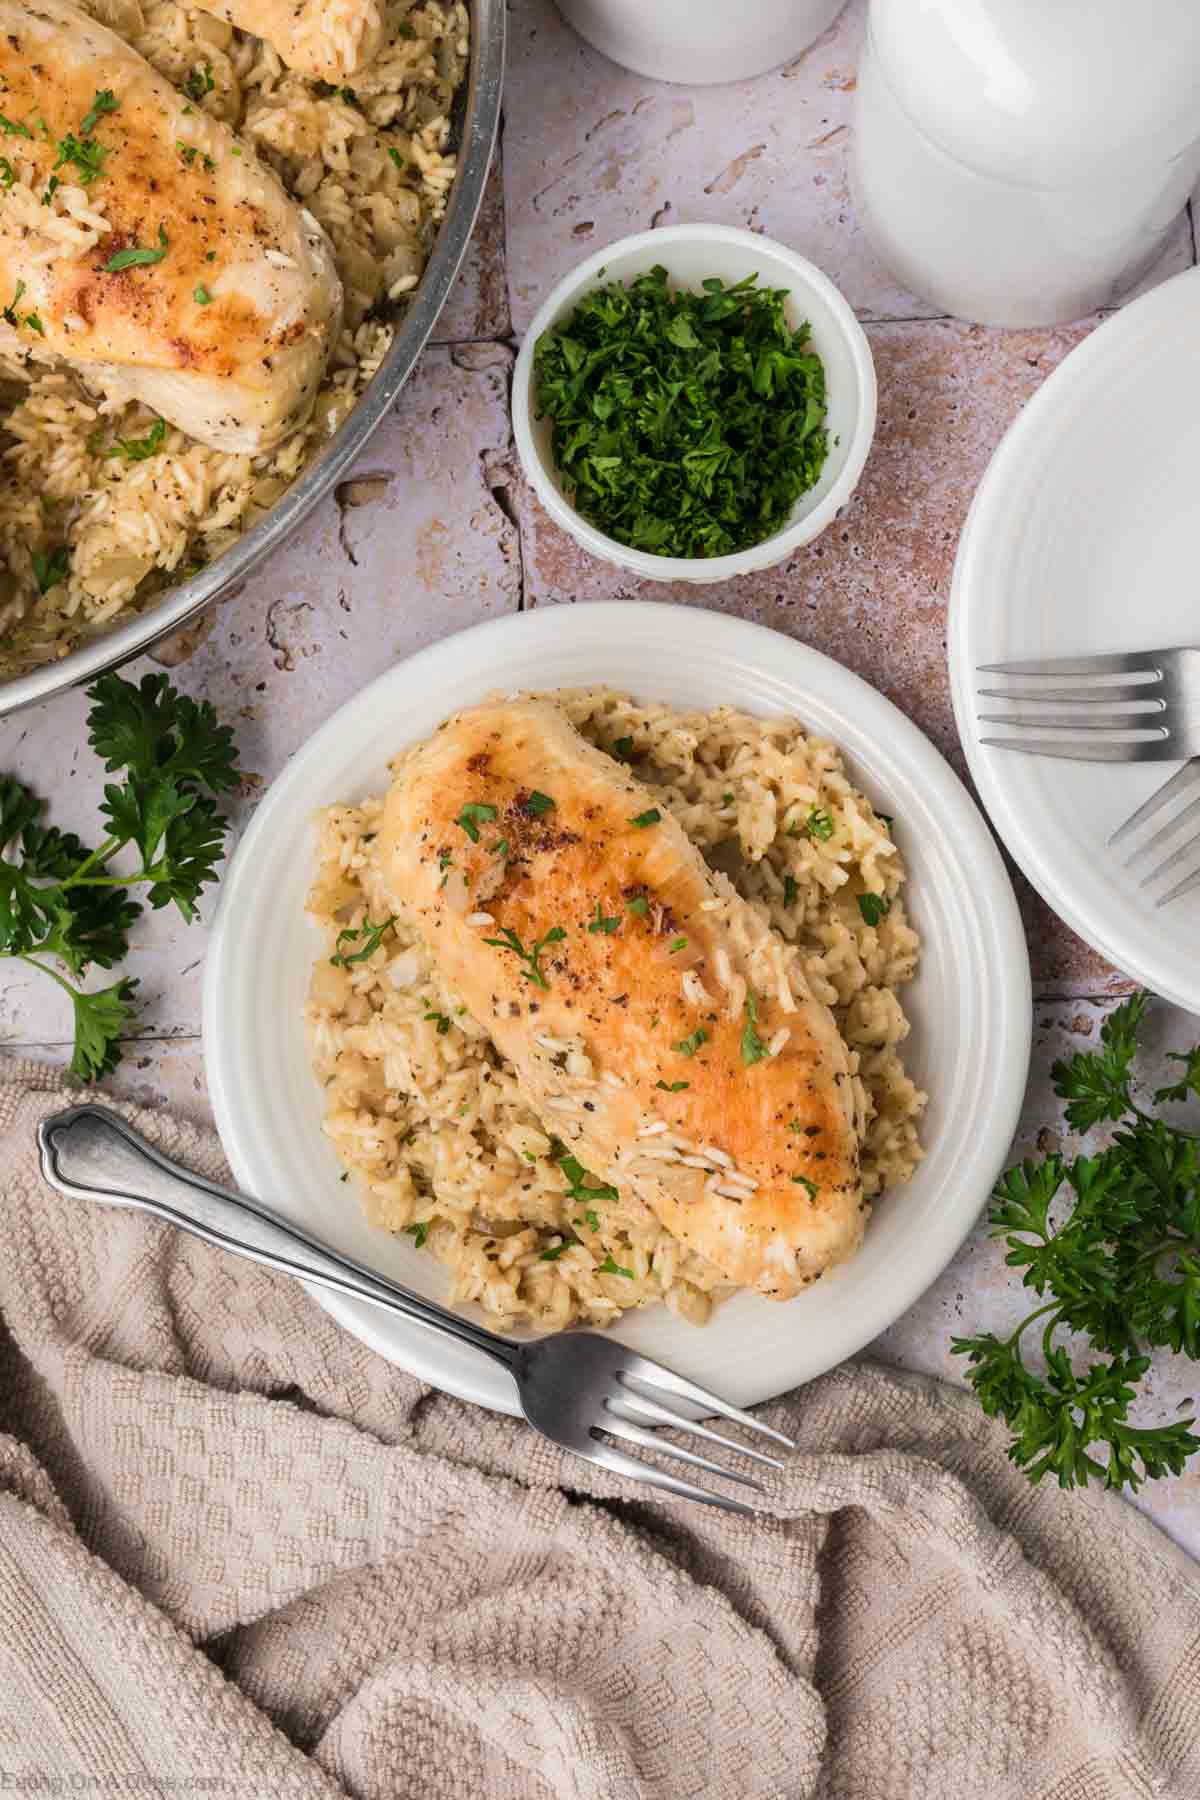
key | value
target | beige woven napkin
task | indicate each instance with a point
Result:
(240, 1554)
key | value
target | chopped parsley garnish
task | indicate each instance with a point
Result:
(500, 849)
(441, 1021)
(370, 936)
(885, 819)
(13, 318)
(809, 1186)
(138, 449)
(396, 157)
(48, 571)
(672, 1087)
(418, 1232)
(683, 424)
(639, 904)
(7, 173)
(128, 259)
(650, 817)
(601, 923)
(555, 1251)
(199, 82)
(688, 1046)
(445, 864)
(623, 749)
(508, 940)
(104, 101)
(189, 153)
(201, 296)
(874, 907)
(790, 891)
(609, 1267)
(82, 152)
(14, 127)
(678, 944)
(473, 815)
(592, 1217)
(538, 803)
(51, 185)
(85, 155)
(796, 1127)
(753, 1047)
(581, 1183)
(818, 825)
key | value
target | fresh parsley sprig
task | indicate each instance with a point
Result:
(61, 901)
(1121, 1268)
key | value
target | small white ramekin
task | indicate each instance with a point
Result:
(690, 254)
(676, 40)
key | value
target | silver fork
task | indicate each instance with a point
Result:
(577, 1388)
(1136, 706)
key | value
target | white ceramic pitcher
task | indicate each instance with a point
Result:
(1022, 162)
(700, 41)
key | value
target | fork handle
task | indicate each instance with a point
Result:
(90, 1153)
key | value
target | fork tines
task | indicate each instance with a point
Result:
(1109, 708)
(1184, 782)
(649, 1395)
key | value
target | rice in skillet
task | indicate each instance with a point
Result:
(429, 1117)
(370, 161)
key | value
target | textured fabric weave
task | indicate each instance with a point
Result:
(240, 1554)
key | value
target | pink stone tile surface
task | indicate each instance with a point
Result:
(593, 152)
(435, 531)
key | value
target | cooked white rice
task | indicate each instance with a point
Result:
(370, 161)
(429, 1117)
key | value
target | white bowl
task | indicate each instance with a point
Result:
(676, 40)
(969, 1006)
(690, 254)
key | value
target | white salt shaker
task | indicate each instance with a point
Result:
(700, 41)
(1022, 162)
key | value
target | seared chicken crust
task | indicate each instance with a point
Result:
(144, 244)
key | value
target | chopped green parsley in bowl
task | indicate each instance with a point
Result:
(694, 403)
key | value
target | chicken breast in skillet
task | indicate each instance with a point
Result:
(142, 243)
(327, 38)
(570, 913)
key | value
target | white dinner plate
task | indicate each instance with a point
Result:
(1084, 537)
(970, 1004)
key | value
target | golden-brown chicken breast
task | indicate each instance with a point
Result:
(642, 1002)
(327, 38)
(141, 242)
